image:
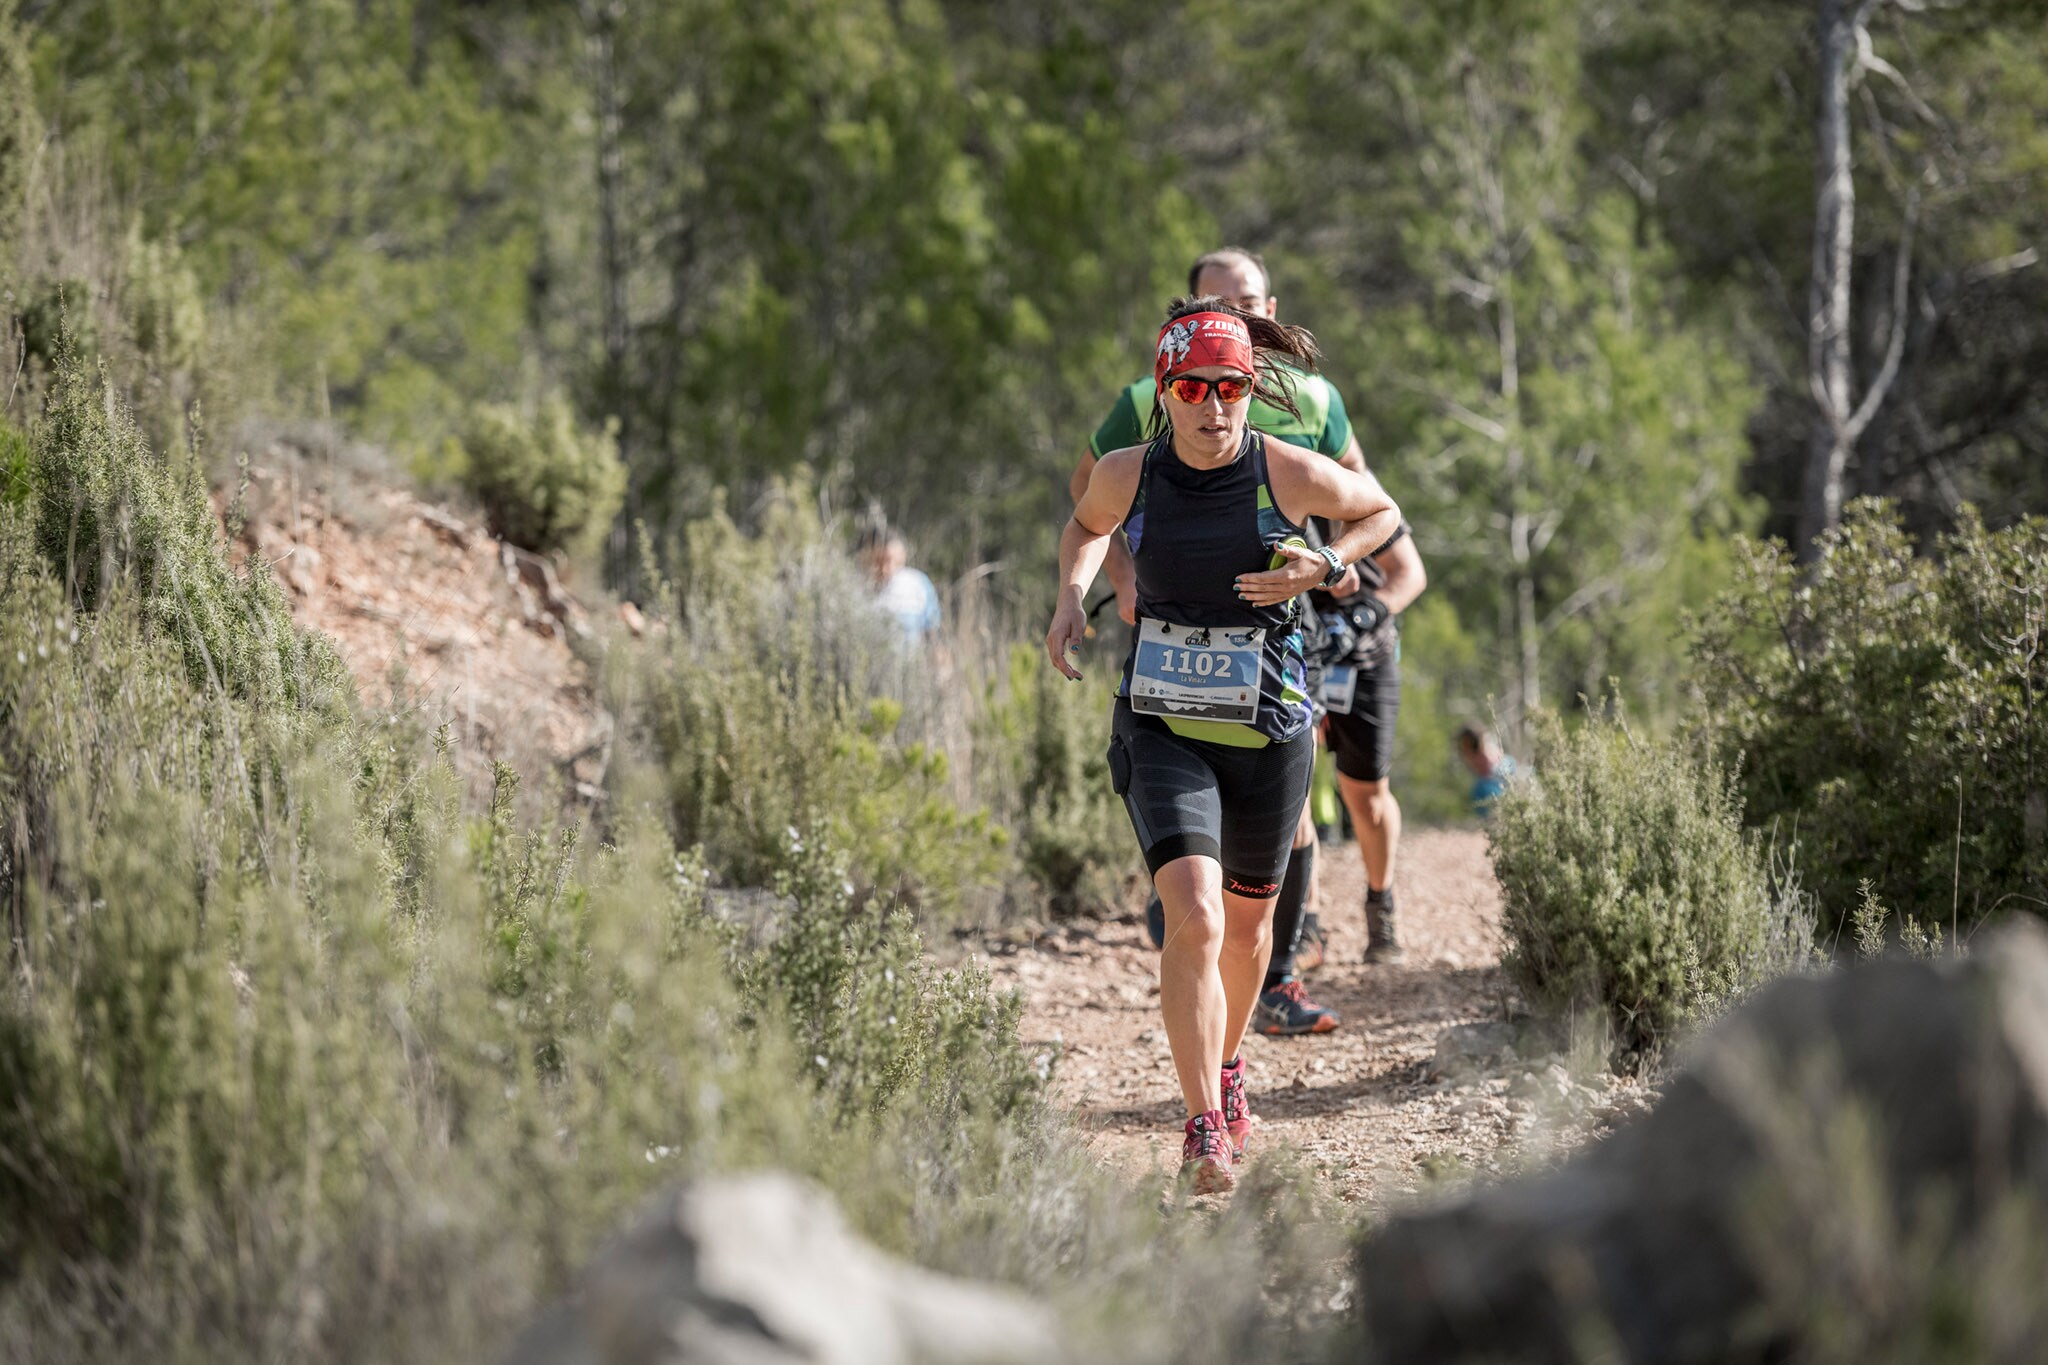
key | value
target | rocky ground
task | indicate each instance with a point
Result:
(1368, 1105)
(439, 621)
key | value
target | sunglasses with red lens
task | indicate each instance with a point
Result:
(1231, 389)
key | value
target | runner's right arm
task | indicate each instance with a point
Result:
(1124, 426)
(1123, 575)
(1084, 468)
(1083, 545)
(1352, 459)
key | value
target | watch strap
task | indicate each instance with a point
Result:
(1336, 563)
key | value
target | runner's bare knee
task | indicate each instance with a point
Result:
(1190, 890)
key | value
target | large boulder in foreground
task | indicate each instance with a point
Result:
(762, 1270)
(1847, 1166)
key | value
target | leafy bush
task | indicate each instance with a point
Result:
(15, 468)
(778, 703)
(1629, 886)
(544, 482)
(1039, 746)
(104, 513)
(89, 284)
(863, 1005)
(1889, 710)
(56, 319)
(21, 132)
(842, 729)
(163, 302)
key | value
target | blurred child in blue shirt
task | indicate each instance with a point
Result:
(1491, 768)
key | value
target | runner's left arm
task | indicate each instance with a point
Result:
(1356, 499)
(1311, 485)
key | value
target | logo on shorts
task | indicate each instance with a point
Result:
(1256, 890)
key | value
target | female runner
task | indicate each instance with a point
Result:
(1210, 745)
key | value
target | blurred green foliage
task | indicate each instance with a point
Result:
(1040, 743)
(345, 174)
(1555, 252)
(1885, 714)
(544, 482)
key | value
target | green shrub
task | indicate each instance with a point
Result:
(863, 1005)
(1887, 708)
(163, 302)
(1039, 758)
(57, 320)
(1629, 887)
(15, 468)
(106, 511)
(778, 703)
(123, 613)
(544, 482)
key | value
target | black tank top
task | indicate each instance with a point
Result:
(1191, 532)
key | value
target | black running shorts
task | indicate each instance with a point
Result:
(1188, 797)
(1363, 741)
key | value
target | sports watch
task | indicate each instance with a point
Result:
(1336, 563)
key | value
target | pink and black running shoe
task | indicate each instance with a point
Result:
(1237, 1110)
(1205, 1154)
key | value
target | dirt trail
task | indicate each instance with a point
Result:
(1362, 1103)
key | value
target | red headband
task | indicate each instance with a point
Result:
(1201, 339)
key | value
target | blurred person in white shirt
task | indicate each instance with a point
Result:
(905, 594)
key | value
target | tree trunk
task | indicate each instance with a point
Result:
(610, 164)
(601, 21)
(1840, 417)
(1820, 504)
(1528, 631)
(1834, 239)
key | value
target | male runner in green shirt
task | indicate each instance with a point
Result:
(1239, 277)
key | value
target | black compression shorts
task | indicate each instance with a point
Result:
(1188, 797)
(1363, 740)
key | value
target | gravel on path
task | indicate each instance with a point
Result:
(1362, 1104)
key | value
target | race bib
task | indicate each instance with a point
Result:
(1340, 686)
(1197, 672)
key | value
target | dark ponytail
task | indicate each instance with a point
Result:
(1272, 382)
